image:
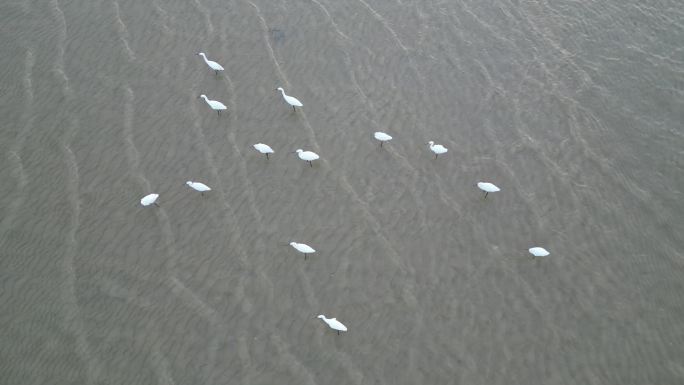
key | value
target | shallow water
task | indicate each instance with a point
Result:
(574, 109)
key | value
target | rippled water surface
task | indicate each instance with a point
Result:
(573, 108)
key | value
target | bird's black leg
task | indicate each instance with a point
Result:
(380, 144)
(155, 203)
(436, 156)
(293, 109)
(267, 155)
(338, 332)
(310, 164)
(486, 192)
(202, 193)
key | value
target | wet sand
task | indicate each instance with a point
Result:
(574, 109)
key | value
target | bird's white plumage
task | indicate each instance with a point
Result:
(302, 248)
(291, 100)
(307, 155)
(437, 148)
(333, 323)
(263, 148)
(214, 104)
(198, 186)
(212, 64)
(381, 136)
(539, 252)
(149, 199)
(488, 187)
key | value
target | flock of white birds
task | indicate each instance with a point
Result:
(310, 156)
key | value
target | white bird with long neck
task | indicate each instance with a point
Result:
(334, 324)
(487, 188)
(539, 252)
(198, 186)
(382, 137)
(150, 199)
(291, 100)
(263, 148)
(437, 148)
(303, 248)
(307, 155)
(214, 104)
(212, 64)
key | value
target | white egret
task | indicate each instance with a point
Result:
(437, 148)
(198, 186)
(291, 100)
(382, 137)
(334, 324)
(487, 188)
(214, 104)
(307, 155)
(303, 248)
(212, 64)
(539, 252)
(264, 149)
(150, 199)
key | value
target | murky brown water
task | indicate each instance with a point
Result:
(574, 109)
